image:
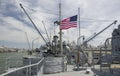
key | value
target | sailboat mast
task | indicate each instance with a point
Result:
(60, 33)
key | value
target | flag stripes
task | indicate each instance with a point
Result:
(69, 22)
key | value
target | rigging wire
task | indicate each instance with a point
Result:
(44, 28)
(24, 27)
(33, 10)
(0, 3)
(34, 25)
(27, 40)
(96, 34)
(82, 19)
(25, 32)
(32, 16)
(93, 20)
(86, 19)
(46, 31)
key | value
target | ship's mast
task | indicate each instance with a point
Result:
(78, 52)
(61, 46)
(79, 20)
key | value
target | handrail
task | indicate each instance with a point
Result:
(27, 66)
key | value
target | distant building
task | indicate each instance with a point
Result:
(6, 49)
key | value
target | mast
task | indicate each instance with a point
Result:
(79, 20)
(61, 46)
(78, 41)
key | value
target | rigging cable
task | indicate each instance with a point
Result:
(27, 40)
(43, 25)
(33, 10)
(46, 31)
(87, 19)
(34, 24)
(26, 35)
(100, 32)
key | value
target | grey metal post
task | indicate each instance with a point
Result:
(79, 50)
(93, 58)
(7, 63)
(79, 20)
(61, 45)
(33, 42)
(27, 72)
(37, 69)
(100, 61)
(30, 67)
(78, 38)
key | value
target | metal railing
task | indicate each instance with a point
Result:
(28, 70)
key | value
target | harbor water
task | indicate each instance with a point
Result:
(10, 60)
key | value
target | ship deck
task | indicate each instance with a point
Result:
(71, 72)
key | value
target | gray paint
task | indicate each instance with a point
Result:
(116, 41)
(54, 65)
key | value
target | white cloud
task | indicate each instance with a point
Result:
(13, 21)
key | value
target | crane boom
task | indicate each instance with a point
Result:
(100, 32)
(34, 24)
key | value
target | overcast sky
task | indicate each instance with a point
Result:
(95, 15)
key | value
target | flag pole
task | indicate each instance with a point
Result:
(60, 33)
(78, 41)
(79, 20)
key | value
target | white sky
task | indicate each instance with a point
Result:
(95, 15)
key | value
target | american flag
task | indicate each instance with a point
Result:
(69, 22)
